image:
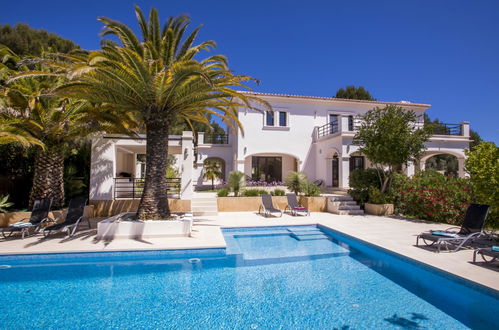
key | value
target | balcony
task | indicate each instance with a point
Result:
(132, 188)
(447, 129)
(209, 138)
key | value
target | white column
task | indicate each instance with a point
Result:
(344, 168)
(410, 169)
(460, 168)
(102, 169)
(465, 128)
(200, 138)
(186, 167)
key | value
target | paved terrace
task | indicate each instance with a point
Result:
(394, 234)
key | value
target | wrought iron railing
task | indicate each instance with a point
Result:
(329, 128)
(447, 129)
(216, 138)
(133, 187)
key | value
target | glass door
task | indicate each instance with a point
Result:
(335, 172)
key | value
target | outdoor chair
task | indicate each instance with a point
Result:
(471, 229)
(488, 255)
(39, 215)
(267, 208)
(73, 218)
(294, 207)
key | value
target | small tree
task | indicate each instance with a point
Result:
(236, 181)
(212, 171)
(483, 166)
(296, 181)
(352, 92)
(389, 139)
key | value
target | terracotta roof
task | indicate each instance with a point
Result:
(323, 98)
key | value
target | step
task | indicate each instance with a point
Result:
(309, 237)
(204, 200)
(344, 203)
(350, 212)
(199, 213)
(307, 233)
(204, 208)
(341, 198)
(349, 207)
(203, 203)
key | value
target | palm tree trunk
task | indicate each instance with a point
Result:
(48, 178)
(154, 202)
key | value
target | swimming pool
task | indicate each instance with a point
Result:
(273, 277)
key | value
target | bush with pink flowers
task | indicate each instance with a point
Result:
(432, 196)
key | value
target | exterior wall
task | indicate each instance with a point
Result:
(299, 144)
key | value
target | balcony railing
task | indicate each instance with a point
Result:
(329, 128)
(216, 138)
(133, 188)
(447, 129)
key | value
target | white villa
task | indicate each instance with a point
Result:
(304, 133)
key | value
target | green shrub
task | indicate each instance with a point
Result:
(296, 181)
(224, 192)
(360, 181)
(433, 196)
(377, 197)
(483, 166)
(253, 192)
(236, 181)
(278, 192)
(311, 190)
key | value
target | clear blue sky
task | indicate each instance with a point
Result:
(445, 53)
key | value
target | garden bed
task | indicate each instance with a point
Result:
(252, 204)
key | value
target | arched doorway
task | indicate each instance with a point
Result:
(216, 166)
(444, 163)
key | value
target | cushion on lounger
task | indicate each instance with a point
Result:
(22, 224)
(299, 208)
(443, 233)
(495, 248)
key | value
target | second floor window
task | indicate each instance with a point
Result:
(283, 119)
(269, 118)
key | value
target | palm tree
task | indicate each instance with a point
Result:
(30, 110)
(157, 80)
(212, 171)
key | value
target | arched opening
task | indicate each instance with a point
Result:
(213, 171)
(446, 164)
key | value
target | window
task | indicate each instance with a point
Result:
(350, 123)
(266, 169)
(356, 162)
(333, 124)
(269, 119)
(283, 119)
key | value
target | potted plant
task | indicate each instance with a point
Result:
(379, 203)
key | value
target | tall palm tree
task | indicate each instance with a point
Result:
(29, 109)
(158, 80)
(212, 171)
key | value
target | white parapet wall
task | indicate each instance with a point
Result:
(119, 227)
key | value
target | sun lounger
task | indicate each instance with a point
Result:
(489, 254)
(267, 208)
(39, 215)
(294, 207)
(453, 239)
(73, 218)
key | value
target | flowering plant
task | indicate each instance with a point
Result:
(433, 196)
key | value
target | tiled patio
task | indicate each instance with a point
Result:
(394, 234)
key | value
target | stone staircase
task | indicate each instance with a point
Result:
(204, 204)
(343, 204)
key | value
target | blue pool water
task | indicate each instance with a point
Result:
(283, 277)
